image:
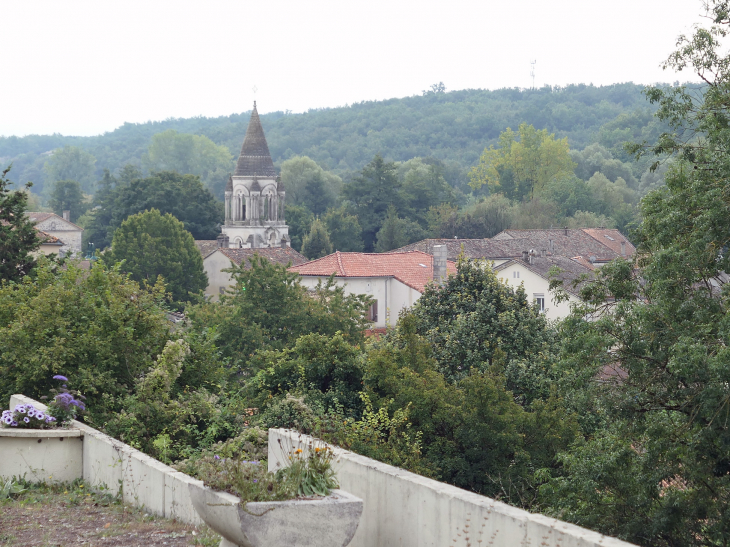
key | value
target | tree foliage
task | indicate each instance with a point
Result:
(66, 195)
(71, 163)
(152, 245)
(18, 236)
(182, 196)
(654, 466)
(190, 155)
(519, 167)
(475, 321)
(317, 242)
(268, 309)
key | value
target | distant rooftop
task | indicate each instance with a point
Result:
(412, 268)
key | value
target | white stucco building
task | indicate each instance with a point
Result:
(394, 280)
(533, 273)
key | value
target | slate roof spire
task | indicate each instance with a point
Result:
(255, 158)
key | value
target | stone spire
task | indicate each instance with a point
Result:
(255, 157)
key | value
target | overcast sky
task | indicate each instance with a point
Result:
(86, 67)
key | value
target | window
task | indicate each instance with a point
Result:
(221, 290)
(540, 301)
(516, 274)
(373, 312)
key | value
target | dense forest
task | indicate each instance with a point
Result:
(375, 175)
(453, 126)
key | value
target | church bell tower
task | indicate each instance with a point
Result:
(255, 196)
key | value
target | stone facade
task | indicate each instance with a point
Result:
(255, 196)
(67, 232)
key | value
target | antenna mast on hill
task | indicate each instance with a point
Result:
(532, 72)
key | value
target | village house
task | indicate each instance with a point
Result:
(65, 232)
(394, 280)
(217, 258)
(526, 257)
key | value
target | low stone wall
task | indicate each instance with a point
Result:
(406, 510)
(107, 463)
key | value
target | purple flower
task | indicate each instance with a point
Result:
(39, 415)
(216, 457)
(14, 423)
(59, 377)
(26, 420)
(50, 419)
(255, 480)
(20, 409)
(31, 412)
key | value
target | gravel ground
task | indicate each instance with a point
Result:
(70, 516)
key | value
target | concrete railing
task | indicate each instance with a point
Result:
(406, 510)
(144, 481)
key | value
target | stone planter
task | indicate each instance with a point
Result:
(326, 522)
(50, 455)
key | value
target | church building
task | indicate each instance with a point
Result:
(254, 197)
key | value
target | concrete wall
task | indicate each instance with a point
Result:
(111, 464)
(50, 455)
(406, 510)
(391, 294)
(536, 285)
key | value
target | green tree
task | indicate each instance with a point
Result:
(308, 184)
(486, 218)
(300, 220)
(151, 245)
(519, 167)
(371, 193)
(344, 229)
(183, 196)
(473, 432)
(397, 232)
(423, 186)
(268, 309)
(317, 242)
(476, 321)
(654, 465)
(67, 196)
(18, 237)
(71, 163)
(98, 328)
(190, 154)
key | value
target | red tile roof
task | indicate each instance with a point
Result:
(612, 239)
(412, 268)
(48, 239)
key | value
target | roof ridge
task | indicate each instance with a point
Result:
(339, 263)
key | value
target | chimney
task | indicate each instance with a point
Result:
(551, 246)
(623, 248)
(543, 253)
(525, 256)
(67, 216)
(222, 241)
(439, 263)
(566, 230)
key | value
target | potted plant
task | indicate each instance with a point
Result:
(299, 505)
(37, 440)
(65, 406)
